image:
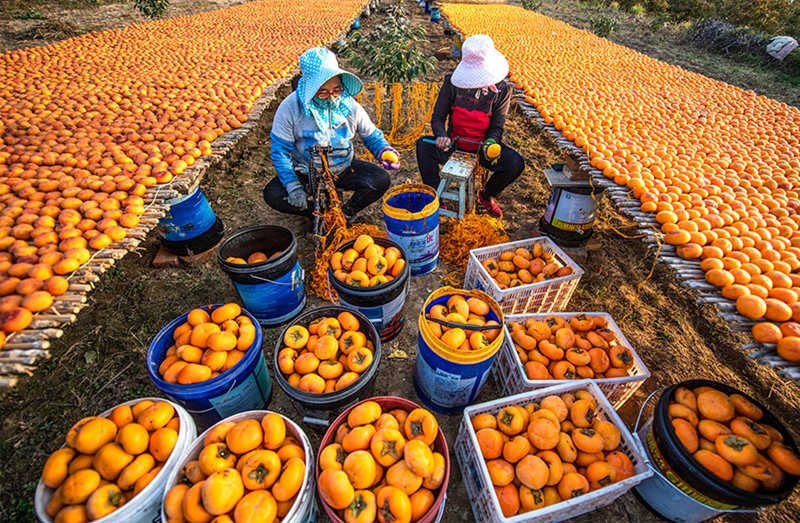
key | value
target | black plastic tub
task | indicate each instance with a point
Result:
(383, 304)
(272, 290)
(322, 409)
(697, 476)
(199, 244)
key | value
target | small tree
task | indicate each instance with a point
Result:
(151, 8)
(603, 25)
(389, 52)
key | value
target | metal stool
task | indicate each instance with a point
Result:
(459, 169)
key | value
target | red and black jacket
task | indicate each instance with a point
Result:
(473, 115)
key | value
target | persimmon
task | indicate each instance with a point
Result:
(135, 470)
(533, 472)
(530, 499)
(363, 509)
(419, 458)
(421, 424)
(515, 449)
(677, 410)
(751, 431)
(173, 501)
(609, 432)
(436, 477)
(501, 472)
(784, 458)
(335, 488)
(621, 463)
(483, 421)
(77, 487)
(55, 469)
(686, 433)
(394, 506)
(587, 440)
(573, 485)
(715, 464)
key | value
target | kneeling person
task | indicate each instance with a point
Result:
(323, 111)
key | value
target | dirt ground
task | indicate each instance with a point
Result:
(100, 360)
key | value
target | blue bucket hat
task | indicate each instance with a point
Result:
(317, 66)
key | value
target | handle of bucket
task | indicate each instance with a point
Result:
(641, 410)
(465, 326)
(233, 386)
(290, 284)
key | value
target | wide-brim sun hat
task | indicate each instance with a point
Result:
(481, 64)
(317, 66)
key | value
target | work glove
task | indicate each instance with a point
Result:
(485, 151)
(389, 162)
(297, 195)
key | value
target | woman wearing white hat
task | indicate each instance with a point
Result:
(476, 99)
(322, 111)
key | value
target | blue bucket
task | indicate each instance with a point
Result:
(356, 24)
(447, 380)
(190, 226)
(271, 290)
(411, 213)
(247, 386)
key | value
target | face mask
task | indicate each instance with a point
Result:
(329, 103)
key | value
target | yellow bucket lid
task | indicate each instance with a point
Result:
(444, 350)
(403, 214)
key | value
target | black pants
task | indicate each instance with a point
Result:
(367, 181)
(508, 168)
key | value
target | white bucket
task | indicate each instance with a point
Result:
(146, 506)
(304, 509)
(660, 493)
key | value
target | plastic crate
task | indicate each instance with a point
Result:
(509, 373)
(546, 296)
(475, 475)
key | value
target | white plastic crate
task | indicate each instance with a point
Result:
(475, 475)
(546, 296)
(509, 372)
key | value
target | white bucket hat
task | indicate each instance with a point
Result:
(481, 64)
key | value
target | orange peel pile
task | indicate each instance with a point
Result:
(472, 232)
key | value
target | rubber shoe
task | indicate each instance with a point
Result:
(490, 205)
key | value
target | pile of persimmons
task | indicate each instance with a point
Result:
(109, 460)
(524, 266)
(454, 319)
(209, 343)
(717, 165)
(580, 347)
(549, 451)
(382, 466)
(726, 434)
(250, 470)
(327, 355)
(367, 264)
(89, 123)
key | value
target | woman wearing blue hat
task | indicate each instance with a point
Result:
(322, 111)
